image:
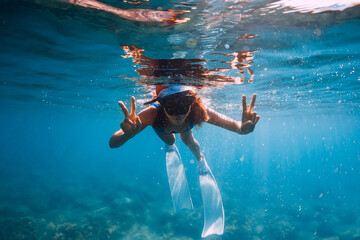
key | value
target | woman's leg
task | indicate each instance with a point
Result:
(168, 138)
(189, 140)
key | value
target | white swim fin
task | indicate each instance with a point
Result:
(214, 218)
(179, 188)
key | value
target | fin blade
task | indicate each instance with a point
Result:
(179, 188)
(214, 217)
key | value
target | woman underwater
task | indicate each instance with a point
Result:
(177, 109)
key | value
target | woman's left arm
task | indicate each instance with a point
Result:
(248, 121)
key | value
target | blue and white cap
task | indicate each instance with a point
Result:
(167, 90)
(172, 89)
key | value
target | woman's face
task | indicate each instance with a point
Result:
(177, 107)
(178, 119)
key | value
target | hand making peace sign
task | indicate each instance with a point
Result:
(249, 118)
(131, 124)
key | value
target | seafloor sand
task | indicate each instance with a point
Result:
(42, 210)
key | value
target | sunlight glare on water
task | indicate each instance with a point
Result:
(314, 6)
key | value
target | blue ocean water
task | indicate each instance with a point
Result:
(65, 64)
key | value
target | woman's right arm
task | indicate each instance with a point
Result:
(132, 124)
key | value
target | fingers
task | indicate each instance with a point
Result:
(244, 103)
(133, 106)
(249, 126)
(252, 103)
(129, 126)
(253, 116)
(124, 109)
(138, 123)
(249, 118)
(126, 128)
(130, 123)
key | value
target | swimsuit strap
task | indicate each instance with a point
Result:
(155, 105)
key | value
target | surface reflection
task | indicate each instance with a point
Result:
(242, 61)
(191, 71)
(141, 15)
(216, 21)
(246, 36)
(135, 2)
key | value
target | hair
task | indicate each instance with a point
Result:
(197, 115)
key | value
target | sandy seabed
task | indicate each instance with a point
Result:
(97, 211)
